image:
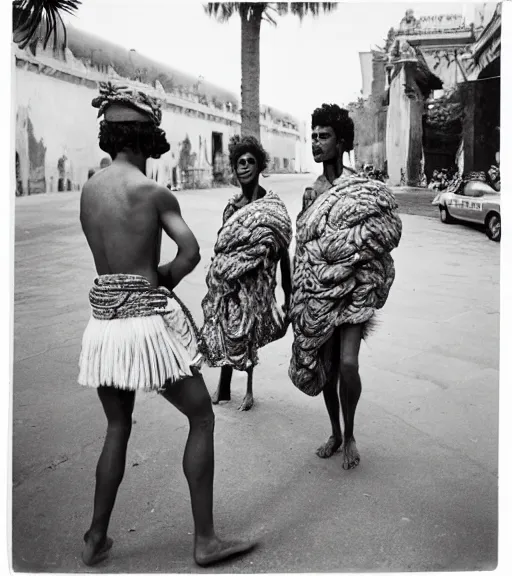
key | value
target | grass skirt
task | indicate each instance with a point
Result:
(141, 353)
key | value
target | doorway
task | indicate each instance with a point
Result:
(19, 183)
(217, 159)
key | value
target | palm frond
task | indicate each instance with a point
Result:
(253, 10)
(303, 9)
(33, 19)
(268, 13)
(222, 11)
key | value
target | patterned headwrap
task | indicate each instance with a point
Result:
(125, 96)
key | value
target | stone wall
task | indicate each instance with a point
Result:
(369, 117)
(404, 129)
(54, 120)
(481, 101)
(57, 128)
(369, 134)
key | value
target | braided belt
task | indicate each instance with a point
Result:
(117, 296)
(125, 296)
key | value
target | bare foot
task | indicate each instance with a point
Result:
(351, 457)
(220, 396)
(247, 403)
(329, 448)
(95, 551)
(218, 550)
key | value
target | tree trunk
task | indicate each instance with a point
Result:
(251, 23)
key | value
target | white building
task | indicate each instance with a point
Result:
(56, 137)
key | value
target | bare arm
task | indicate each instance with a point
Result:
(188, 256)
(286, 278)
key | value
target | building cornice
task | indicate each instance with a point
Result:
(90, 77)
(488, 33)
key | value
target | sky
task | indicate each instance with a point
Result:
(301, 63)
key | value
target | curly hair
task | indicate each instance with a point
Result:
(241, 145)
(338, 119)
(143, 137)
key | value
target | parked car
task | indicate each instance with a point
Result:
(473, 201)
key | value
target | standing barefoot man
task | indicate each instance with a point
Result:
(240, 308)
(342, 274)
(140, 337)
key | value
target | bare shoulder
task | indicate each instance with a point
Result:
(85, 197)
(164, 199)
(96, 184)
(88, 187)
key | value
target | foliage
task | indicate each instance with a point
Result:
(446, 113)
(359, 104)
(389, 39)
(223, 11)
(252, 14)
(168, 83)
(40, 19)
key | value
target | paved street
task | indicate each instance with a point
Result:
(424, 497)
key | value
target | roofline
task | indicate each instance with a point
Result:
(91, 78)
(77, 35)
(487, 33)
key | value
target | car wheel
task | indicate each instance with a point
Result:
(493, 227)
(444, 215)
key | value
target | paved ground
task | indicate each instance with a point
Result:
(416, 201)
(423, 498)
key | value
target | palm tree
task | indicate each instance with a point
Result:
(34, 20)
(251, 15)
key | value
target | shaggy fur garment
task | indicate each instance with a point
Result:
(240, 309)
(343, 270)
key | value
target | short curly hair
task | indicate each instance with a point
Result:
(338, 119)
(241, 145)
(143, 137)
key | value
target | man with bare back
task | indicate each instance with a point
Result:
(140, 336)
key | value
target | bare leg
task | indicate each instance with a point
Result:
(248, 401)
(331, 398)
(223, 391)
(191, 397)
(118, 406)
(350, 390)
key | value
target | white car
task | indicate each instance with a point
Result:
(475, 202)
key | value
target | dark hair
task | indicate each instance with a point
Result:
(338, 119)
(241, 145)
(143, 137)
